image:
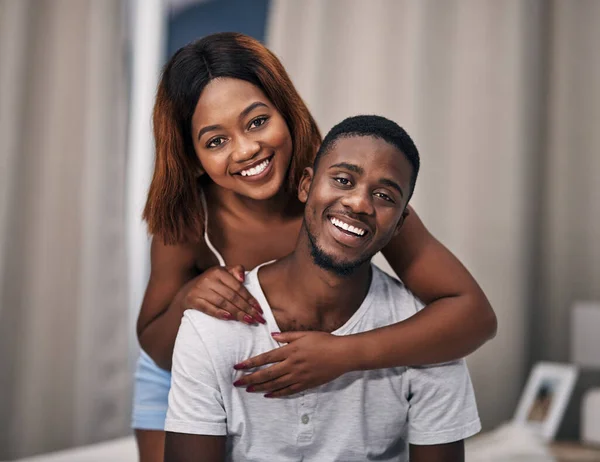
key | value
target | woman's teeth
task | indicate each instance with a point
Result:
(256, 170)
(347, 227)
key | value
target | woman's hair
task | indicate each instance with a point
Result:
(173, 209)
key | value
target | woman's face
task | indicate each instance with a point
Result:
(242, 141)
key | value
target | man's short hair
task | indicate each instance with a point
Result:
(377, 127)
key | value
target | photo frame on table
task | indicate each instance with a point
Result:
(545, 398)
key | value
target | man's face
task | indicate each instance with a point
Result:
(355, 201)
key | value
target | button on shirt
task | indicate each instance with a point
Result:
(362, 415)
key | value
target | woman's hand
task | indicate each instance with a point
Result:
(308, 360)
(220, 292)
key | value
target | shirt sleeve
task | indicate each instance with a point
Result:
(195, 399)
(442, 407)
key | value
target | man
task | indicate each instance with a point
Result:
(356, 197)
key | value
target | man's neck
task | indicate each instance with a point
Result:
(304, 296)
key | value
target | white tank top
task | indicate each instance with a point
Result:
(206, 239)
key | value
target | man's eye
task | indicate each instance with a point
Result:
(343, 181)
(384, 197)
(215, 142)
(258, 122)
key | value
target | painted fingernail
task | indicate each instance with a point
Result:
(239, 366)
(269, 395)
(227, 316)
(250, 389)
(260, 319)
(275, 334)
(238, 383)
(248, 319)
(257, 307)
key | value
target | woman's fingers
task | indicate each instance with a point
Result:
(237, 272)
(210, 309)
(272, 385)
(221, 290)
(213, 303)
(228, 299)
(287, 391)
(240, 293)
(269, 379)
(274, 356)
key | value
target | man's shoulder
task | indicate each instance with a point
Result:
(394, 292)
(211, 330)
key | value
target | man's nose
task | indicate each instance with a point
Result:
(245, 149)
(359, 201)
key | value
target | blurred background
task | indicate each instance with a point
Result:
(501, 96)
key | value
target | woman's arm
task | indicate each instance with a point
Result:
(458, 317)
(172, 267)
(175, 285)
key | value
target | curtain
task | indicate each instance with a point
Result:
(63, 285)
(502, 99)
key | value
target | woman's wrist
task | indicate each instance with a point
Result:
(357, 353)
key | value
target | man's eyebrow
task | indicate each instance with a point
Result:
(352, 167)
(244, 113)
(392, 184)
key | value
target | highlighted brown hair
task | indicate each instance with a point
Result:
(173, 209)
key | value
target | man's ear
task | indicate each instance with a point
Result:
(305, 182)
(405, 213)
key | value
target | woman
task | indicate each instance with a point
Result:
(232, 139)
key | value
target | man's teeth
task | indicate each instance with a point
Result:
(347, 227)
(256, 170)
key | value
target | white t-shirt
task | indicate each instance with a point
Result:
(363, 415)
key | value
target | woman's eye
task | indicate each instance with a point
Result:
(343, 181)
(384, 197)
(215, 142)
(258, 122)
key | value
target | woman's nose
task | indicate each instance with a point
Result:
(245, 149)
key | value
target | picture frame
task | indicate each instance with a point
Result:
(545, 398)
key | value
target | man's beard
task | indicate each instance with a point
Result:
(328, 263)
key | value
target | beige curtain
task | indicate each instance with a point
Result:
(502, 98)
(65, 379)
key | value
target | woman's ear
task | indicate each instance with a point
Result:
(199, 170)
(305, 182)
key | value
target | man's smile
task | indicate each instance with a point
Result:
(347, 231)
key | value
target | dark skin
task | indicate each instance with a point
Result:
(182, 447)
(251, 223)
(321, 299)
(450, 452)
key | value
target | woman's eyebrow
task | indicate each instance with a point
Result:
(250, 108)
(244, 113)
(208, 128)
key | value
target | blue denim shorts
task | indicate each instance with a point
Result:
(150, 395)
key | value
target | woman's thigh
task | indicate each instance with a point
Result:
(150, 395)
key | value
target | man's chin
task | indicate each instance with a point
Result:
(334, 265)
